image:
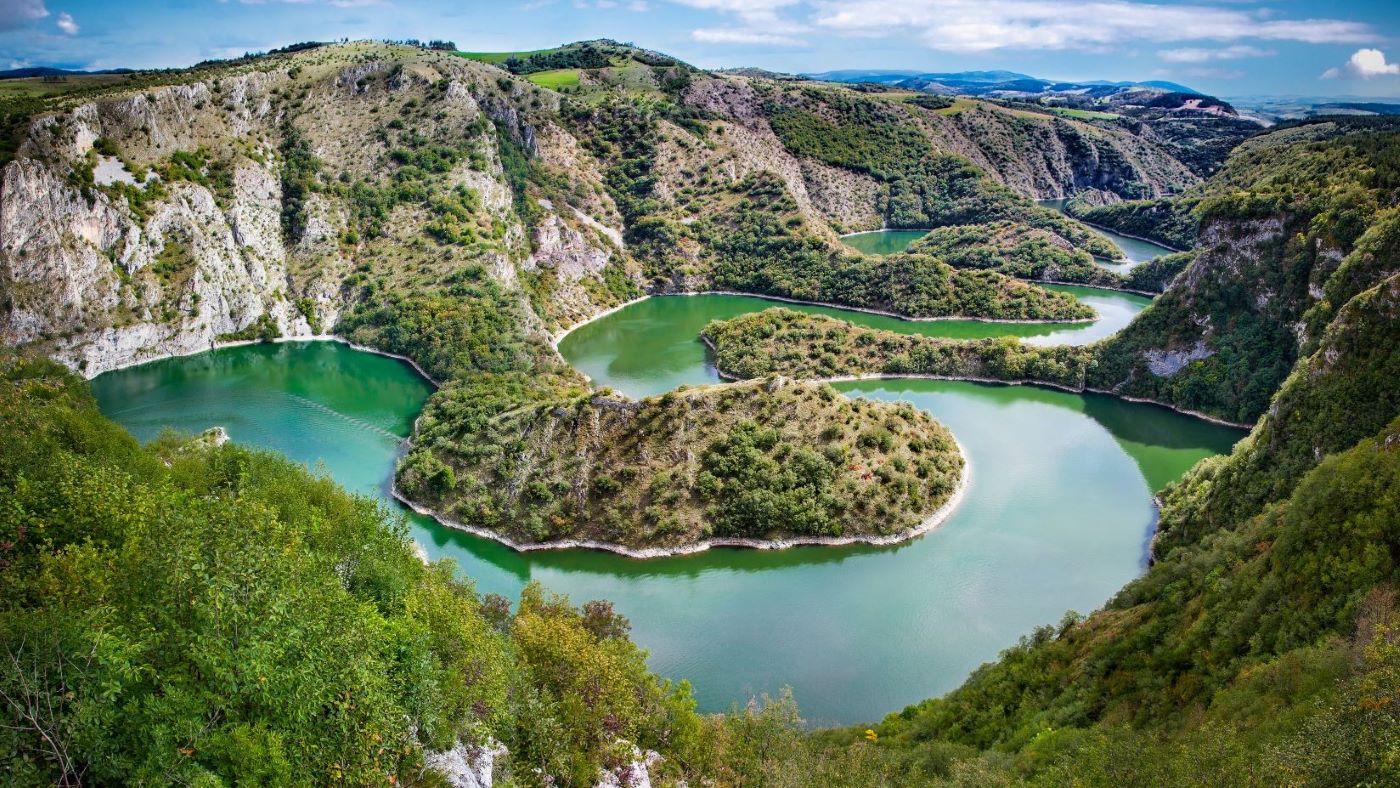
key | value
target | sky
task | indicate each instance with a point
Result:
(1226, 47)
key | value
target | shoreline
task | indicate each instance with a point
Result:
(1104, 288)
(1195, 414)
(1154, 242)
(927, 525)
(559, 337)
(1067, 198)
(278, 340)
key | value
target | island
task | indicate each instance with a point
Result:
(765, 464)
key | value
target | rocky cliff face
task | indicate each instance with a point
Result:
(103, 289)
(270, 197)
(175, 234)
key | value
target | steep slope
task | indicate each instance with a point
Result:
(191, 613)
(1277, 225)
(270, 196)
(1260, 646)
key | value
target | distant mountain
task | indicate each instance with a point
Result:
(862, 75)
(979, 77)
(46, 71)
(1374, 107)
(978, 83)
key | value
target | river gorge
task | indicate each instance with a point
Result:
(1058, 513)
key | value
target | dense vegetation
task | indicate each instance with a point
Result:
(1017, 250)
(1169, 221)
(757, 461)
(186, 613)
(1283, 221)
(922, 187)
(749, 235)
(784, 342)
(1157, 274)
(1261, 648)
(757, 251)
(192, 613)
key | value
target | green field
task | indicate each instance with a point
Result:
(36, 86)
(1083, 114)
(555, 79)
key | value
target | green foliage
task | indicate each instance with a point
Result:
(755, 251)
(229, 616)
(754, 494)
(1344, 392)
(474, 325)
(1229, 644)
(1157, 274)
(1283, 211)
(585, 55)
(754, 463)
(781, 341)
(215, 615)
(264, 329)
(1016, 250)
(930, 101)
(300, 178)
(199, 167)
(1169, 221)
(307, 308)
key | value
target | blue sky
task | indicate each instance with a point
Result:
(1235, 47)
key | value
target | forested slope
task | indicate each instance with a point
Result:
(1297, 221)
(1262, 647)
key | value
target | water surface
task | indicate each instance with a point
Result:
(1135, 250)
(652, 346)
(1057, 516)
(883, 241)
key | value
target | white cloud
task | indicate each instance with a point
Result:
(762, 24)
(66, 24)
(1364, 63)
(15, 14)
(984, 25)
(734, 35)
(1202, 55)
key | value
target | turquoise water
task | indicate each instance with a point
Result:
(1057, 517)
(652, 346)
(883, 241)
(1134, 250)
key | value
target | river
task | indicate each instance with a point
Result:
(1057, 516)
(1135, 250)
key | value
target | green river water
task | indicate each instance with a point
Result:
(882, 241)
(1135, 250)
(1057, 517)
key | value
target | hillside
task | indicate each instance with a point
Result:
(1260, 646)
(273, 195)
(200, 613)
(749, 464)
(439, 207)
(1296, 224)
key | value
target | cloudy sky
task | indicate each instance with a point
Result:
(1226, 47)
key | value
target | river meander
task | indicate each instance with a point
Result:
(1135, 250)
(1057, 516)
